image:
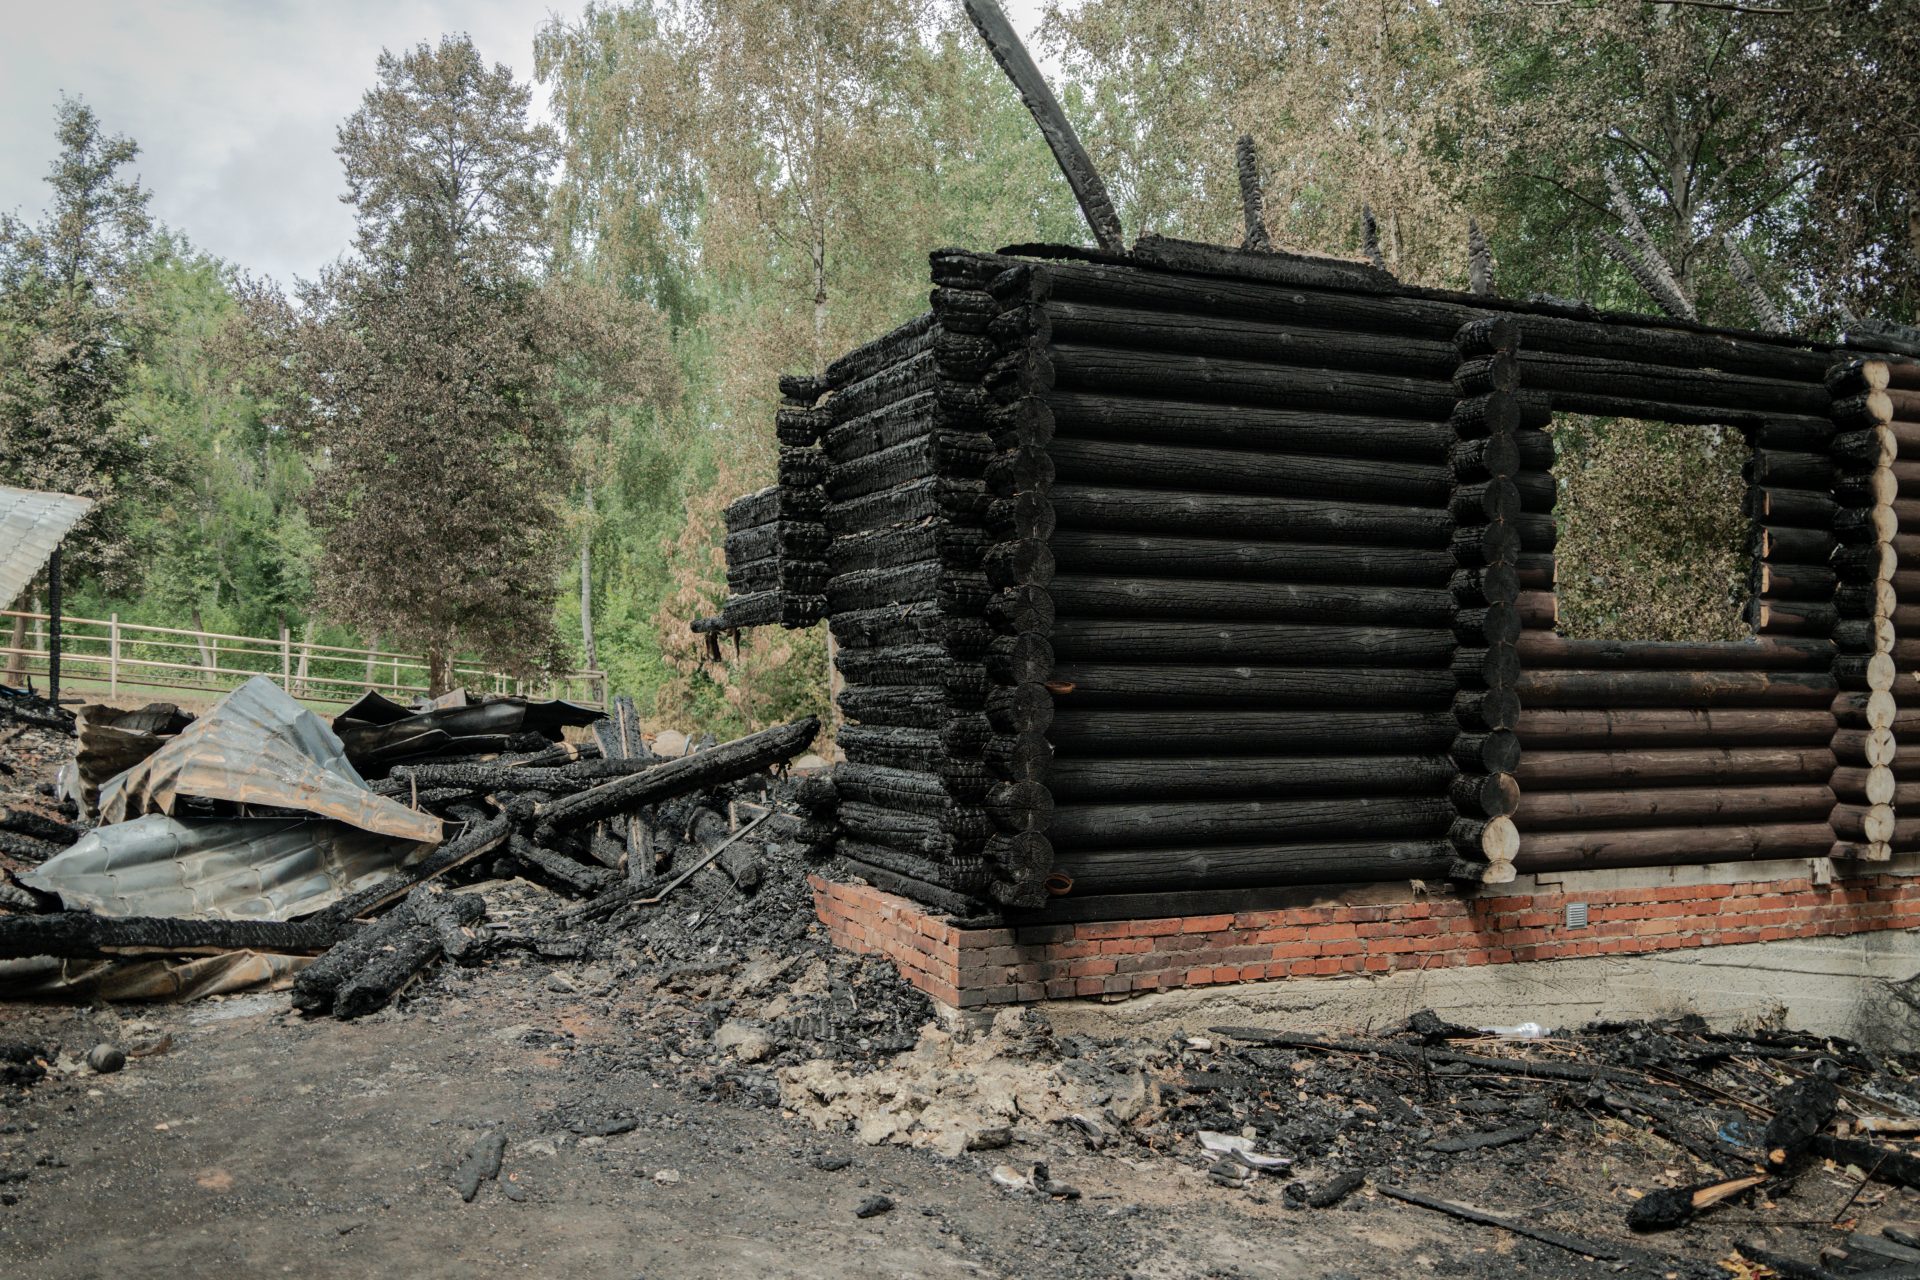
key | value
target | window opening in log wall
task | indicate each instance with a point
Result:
(1654, 542)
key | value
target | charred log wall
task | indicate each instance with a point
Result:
(1214, 571)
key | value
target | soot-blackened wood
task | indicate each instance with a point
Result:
(725, 763)
(1022, 609)
(1083, 596)
(1093, 640)
(1078, 367)
(1024, 515)
(1539, 649)
(1089, 826)
(1486, 795)
(475, 840)
(1671, 806)
(315, 986)
(1101, 732)
(1485, 710)
(889, 425)
(1551, 729)
(1018, 562)
(1792, 508)
(1115, 508)
(1566, 687)
(1575, 380)
(1210, 470)
(1484, 666)
(1020, 708)
(1116, 685)
(1438, 319)
(1201, 777)
(903, 706)
(918, 833)
(1018, 757)
(1019, 659)
(918, 749)
(904, 789)
(1137, 554)
(1127, 329)
(1680, 766)
(1495, 751)
(388, 971)
(1081, 415)
(1671, 846)
(1018, 807)
(576, 878)
(1119, 869)
(81, 933)
(906, 664)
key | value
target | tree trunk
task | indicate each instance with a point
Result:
(439, 669)
(200, 639)
(587, 651)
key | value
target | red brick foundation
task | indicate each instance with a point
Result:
(966, 967)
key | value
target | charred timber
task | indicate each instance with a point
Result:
(1226, 777)
(81, 933)
(1227, 866)
(1190, 468)
(1147, 640)
(1106, 597)
(1088, 826)
(1545, 649)
(1097, 732)
(1078, 506)
(1091, 416)
(1149, 555)
(708, 768)
(1117, 685)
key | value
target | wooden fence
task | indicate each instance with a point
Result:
(102, 656)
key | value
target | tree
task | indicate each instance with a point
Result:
(73, 328)
(431, 370)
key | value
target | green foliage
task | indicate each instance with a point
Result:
(1653, 532)
(73, 328)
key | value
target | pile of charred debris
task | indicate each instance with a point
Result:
(257, 845)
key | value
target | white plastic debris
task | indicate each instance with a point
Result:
(1221, 1144)
(1525, 1031)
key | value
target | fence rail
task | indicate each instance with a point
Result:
(107, 651)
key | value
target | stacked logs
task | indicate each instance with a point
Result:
(1020, 568)
(1903, 403)
(1253, 630)
(1864, 604)
(776, 539)
(1486, 591)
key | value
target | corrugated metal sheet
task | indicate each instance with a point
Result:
(31, 526)
(258, 748)
(217, 868)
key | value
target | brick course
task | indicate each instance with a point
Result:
(967, 967)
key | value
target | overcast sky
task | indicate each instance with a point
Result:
(234, 103)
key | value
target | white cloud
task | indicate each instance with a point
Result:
(235, 102)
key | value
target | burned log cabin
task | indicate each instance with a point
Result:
(1195, 569)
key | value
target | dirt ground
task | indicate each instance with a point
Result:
(259, 1144)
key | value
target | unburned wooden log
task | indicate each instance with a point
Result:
(1666, 846)
(1564, 687)
(1550, 729)
(1553, 770)
(1597, 810)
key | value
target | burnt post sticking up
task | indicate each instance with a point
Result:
(1479, 261)
(1253, 201)
(1642, 257)
(1005, 45)
(1370, 237)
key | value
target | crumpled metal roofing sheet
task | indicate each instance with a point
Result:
(32, 524)
(217, 868)
(258, 747)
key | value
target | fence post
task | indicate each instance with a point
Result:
(286, 658)
(113, 655)
(396, 677)
(213, 659)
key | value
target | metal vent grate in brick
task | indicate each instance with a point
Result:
(1576, 915)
